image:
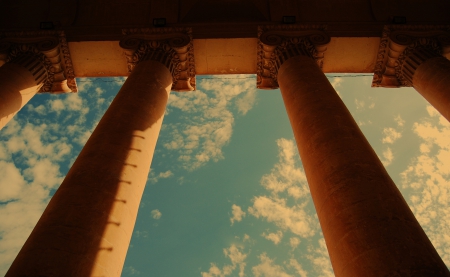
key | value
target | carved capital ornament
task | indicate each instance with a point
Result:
(171, 46)
(49, 50)
(403, 48)
(280, 42)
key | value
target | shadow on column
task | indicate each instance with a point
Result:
(87, 226)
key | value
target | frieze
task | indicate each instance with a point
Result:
(278, 43)
(171, 46)
(48, 46)
(403, 48)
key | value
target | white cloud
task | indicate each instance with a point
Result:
(274, 237)
(141, 234)
(399, 120)
(390, 135)
(238, 214)
(166, 174)
(267, 268)
(427, 181)
(11, 182)
(162, 175)
(286, 176)
(388, 157)
(298, 268)
(294, 242)
(156, 214)
(209, 118)
(99, 90)
(237, 258)
(131, 271)
(83, 84)
(39, 109)
(25, 189)
(33, 152)
(57, 105)
(321, 260)
(295, 218)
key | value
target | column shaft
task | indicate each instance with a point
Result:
(368, 227)
(87, 226)
(19, 82)
(432, 80)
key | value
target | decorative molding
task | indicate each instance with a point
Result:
(50, 47)
(403, 48)
(278, 43)
(171, 46)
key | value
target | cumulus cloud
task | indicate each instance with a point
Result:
(35, 152)
(293, 218)
(238, 214)
(156, 214)
(426, 180)
(388, 157)
(30, 171)
(237, 258)
(267, 268)
(154, 178)
(11, 182)
(39, 109)
(286, 205)
(294, 242)
(321, 260)
(274, 237)
(399, 120)
(390, 135)
(209, 117)
(298, 268)
(286, 177)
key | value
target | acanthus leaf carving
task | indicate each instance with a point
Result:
(50, 47)
(171, 46)
(411, 43)
(278, 43)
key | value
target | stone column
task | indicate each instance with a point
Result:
(429, 73)
(32, 62)
(368, 227)
(412, 56)
(20, 80)
(87, 226)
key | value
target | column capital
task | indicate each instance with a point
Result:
(277, 43)
(403, 48)
(50, 48)
(171, 46)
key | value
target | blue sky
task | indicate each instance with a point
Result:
(226, 195)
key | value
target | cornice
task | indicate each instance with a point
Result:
(48, 46)
(403, 48)
(171, 46)
(277, 43)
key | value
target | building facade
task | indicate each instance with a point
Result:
(161, 46)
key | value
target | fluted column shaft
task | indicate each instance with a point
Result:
(20, 80)
(432, 80)
(368, 227)
(87, 226)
